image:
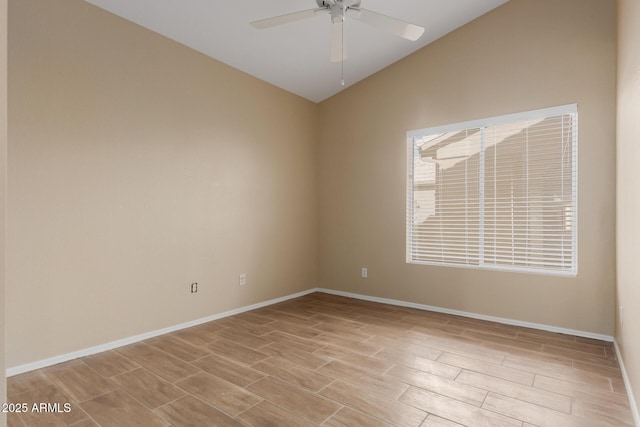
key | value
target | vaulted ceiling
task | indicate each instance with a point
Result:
(295, 56)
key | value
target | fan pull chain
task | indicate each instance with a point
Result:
(342, 53)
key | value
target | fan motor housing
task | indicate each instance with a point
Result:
(346, 3)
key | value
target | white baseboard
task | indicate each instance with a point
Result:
(627, 384)
(503, 320)
(130, 340)
(15, 370)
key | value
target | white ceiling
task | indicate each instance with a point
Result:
(295, 56)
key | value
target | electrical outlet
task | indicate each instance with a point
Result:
(365, 272)
(243, 279)
(621, 314)
(194, 287)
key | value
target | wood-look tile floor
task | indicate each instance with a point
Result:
(333, 361)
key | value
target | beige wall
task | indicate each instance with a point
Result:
(136, 167)
(525, 55)
(628, 191)
(3, 198)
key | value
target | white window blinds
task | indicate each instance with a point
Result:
(499, 193)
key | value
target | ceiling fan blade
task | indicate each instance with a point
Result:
(400, 28)
(285, 19)
(338, 50)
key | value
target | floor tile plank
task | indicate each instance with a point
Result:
(178, 348)
(304, 403)
(444, 386)
(366, 348)
(433, 367)
(268, 414)
(606, 413)
(119, 409)
(293, 341)
(567, 342)
(233, 350)
(579, 390)
(294, 355)
(555, 401)
(383, 385)
(498, 371)
(436, 421)
(14, 420)
(229, 398)
(78, 381)
(109, 363)
(228, 370)
(159, 362)
(533, 414)
(149, 389)
(244, 338)
(190, 411)
(18, 384)
(300, 377)
(455, 410)
(347, 417)
(372, 364)
(388, 410)
(197, 335)
(467, 349)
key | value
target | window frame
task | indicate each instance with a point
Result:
(571, 109)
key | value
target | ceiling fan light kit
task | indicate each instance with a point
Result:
(339, 10)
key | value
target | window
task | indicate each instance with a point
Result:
(499, 193)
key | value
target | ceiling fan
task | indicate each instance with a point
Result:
(339, 11)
